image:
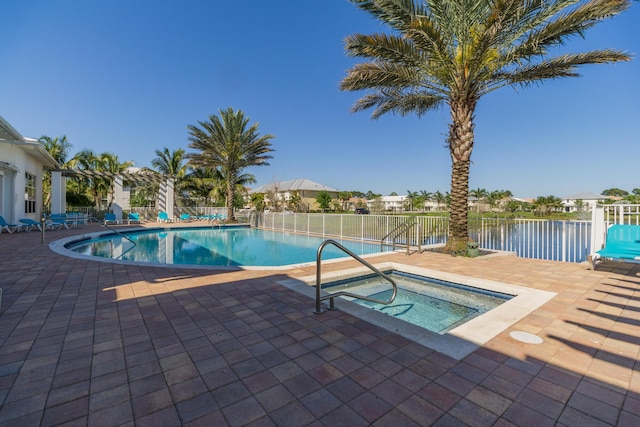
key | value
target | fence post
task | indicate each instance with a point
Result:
(598, 227)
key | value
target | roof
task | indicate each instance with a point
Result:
(585, 196)
(295, 185)
(29, 145)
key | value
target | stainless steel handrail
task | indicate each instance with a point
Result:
(405, 226)
(117, 232)
(331, 297)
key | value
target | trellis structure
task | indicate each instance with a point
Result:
(164, 201)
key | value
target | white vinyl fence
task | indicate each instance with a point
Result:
(568, 241)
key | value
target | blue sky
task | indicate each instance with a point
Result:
(127, 77)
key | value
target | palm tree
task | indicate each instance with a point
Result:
(480, 194)
(228, 143)
(452, 52)
(170, 163)
(59, 148)
(411, 198)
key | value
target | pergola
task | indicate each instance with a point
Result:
(164, 201)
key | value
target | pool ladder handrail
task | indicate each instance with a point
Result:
(116, 232)
(331, 297)
(404, 227)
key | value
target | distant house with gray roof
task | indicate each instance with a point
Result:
(581, 202)
(280, 195)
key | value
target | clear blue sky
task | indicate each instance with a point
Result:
(127, 77)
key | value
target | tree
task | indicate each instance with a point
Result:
(616, 192)
(229, 143)
(344, 197)
(411, 198)
(456, 51)
(59, 148)
(99, 185)
(324, 200)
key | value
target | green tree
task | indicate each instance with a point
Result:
(616, 192)
(229, 143)
(344, 197)
(454, 52)
(324, 200)
(59, 148)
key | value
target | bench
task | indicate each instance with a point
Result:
(622, 243)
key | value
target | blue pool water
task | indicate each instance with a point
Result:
(432, 304)
(215, 246)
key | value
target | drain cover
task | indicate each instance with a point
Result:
(526, 337)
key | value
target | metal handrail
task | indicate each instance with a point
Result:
(405, 226)
(115, 231)
(331, 297)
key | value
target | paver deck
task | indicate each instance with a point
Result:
(98, 344)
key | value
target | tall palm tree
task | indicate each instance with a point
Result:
(452, 52)
(229, 143)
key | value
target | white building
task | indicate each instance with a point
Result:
(22, 164)
(583, 202)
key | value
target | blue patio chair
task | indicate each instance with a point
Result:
(59, 221)
(29, 224)
(134, 217)
(4, 225)
(185, 217)
(110, 217)
(164, 217)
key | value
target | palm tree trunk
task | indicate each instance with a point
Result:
(230, 197)
(461, 139)
(459, 215)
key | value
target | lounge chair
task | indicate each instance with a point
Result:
(29, 224)
(185, 217)
(164, 217)
(110, 217)
(59, 220)
(133, 217)
(4, 225)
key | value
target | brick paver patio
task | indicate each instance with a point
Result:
(99, 344)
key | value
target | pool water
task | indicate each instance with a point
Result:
(215, 246)
(436, 305)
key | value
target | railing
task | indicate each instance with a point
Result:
(568, 241)
(396, 232)
(331, 297)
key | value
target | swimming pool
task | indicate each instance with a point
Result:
(238, 246)
(436, 305)
(459, 339)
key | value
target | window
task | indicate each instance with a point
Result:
(29, 193)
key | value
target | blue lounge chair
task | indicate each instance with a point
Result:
(134, 217)
(4, 225)
(29, 224)
(185, 217)
(110, 217)
(58, 221)
(164, 217)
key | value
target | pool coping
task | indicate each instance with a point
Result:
(59, 247)
(458, 342)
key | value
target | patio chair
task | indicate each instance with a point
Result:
(133, 217)
(185, 217)
(59, 220)
(4, 225)
(110, 217)
(29, 224)
(164, 217)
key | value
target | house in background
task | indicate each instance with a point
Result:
(581, 202)
(285, 192)
(387, 203)
(22, 165)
